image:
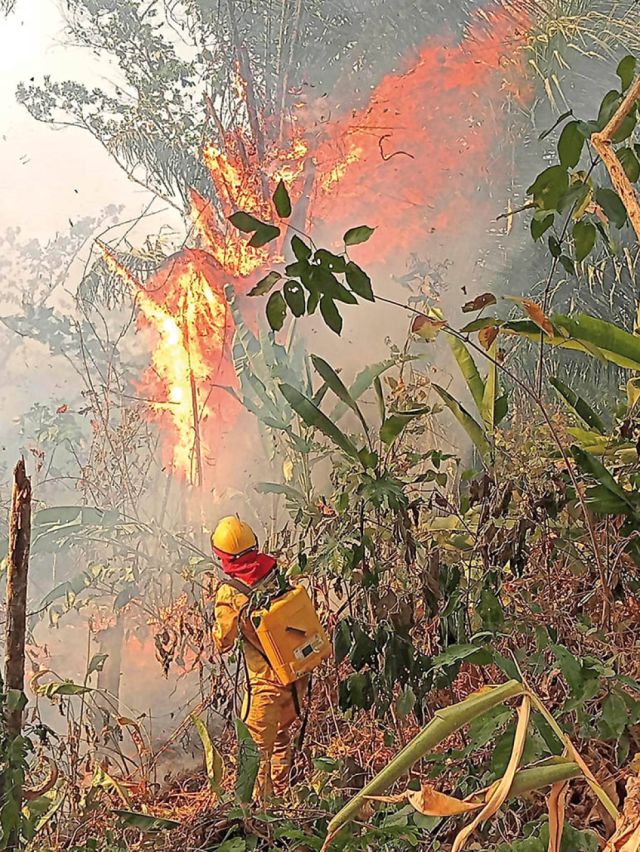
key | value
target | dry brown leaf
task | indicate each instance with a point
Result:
(537, 315)
(556, 801)
(430, 802)
(627, 834)
(480, 302)
(487, 335)
(501, 791)
(427, 328)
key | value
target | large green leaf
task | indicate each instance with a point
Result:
(335, 383)
(315, 418)
(578, 405)
(587, 334)
(471, 426)
(488, 407)
(212, 757)
(468, 369)
(395, 423)
(362, 383)
(593, 466)
(290, 493)
(146, 822)
(248, 763)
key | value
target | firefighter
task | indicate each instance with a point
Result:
(269, 708)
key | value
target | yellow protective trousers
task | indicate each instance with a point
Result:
(269, 709)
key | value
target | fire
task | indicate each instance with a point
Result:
(183, 304)
(411, 161)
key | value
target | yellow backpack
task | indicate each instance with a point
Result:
(292, 638)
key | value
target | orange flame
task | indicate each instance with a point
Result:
(412, 162)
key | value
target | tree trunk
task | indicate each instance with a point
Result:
(17, 568)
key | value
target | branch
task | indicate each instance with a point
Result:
(603, 143)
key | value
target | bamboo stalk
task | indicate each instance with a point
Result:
(445, 723)
(603, 143)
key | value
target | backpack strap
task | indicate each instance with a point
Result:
(244, 588)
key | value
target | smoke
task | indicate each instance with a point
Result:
(426, 149)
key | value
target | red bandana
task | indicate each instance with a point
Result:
(249, 568)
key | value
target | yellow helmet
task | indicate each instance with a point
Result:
(232, 537)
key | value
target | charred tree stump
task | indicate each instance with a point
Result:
(17, 569)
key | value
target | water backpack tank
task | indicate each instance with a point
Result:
(292, 638)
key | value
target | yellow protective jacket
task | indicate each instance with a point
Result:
(229, 606)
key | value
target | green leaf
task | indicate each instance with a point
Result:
(593, 466)
(146, 822)
(276, 310)
(332, 262)
(16, 700)
(630, 163)
(248, 763)
(294, 297)
(245, 222)
(361, 383)
(559, 120)
(405, 702)
(501, 409)
(265, 284)
(341, 640)
(612, 207)
(62, 687)
(456, 653)
(539, 226)
(586, 334)
(626, 70)
(613, 717)
(578, 406)
(567, 264)
(570, 667)
(315, 418)
(357, 691)
(395, 423)
(282, 201)
(548, 187)
(471, 426)
(570, 145)
(627, 126)
(361, 234)
(335, 383)
(490, 610)
(328, 285)
(96, 664)
(584, 239)
(265, 234)
(554, 246)
(359, 281)
(488, 407)
(608, 107)
(212, 757)
(300, 250)
(290, 493)
(468, 369)
(382, 408)
(330, 314)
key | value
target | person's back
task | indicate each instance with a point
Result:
(269, 708)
